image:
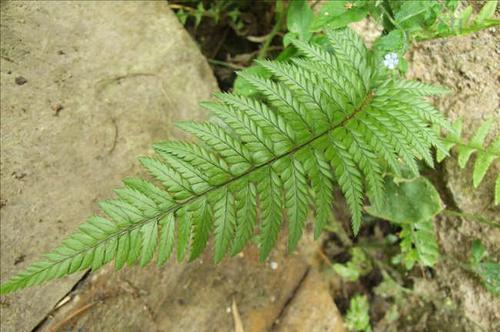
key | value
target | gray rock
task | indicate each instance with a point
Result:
(101, 81)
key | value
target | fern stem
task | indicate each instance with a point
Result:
(475, 217)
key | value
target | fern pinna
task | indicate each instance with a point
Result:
(335, 115)
(485, 155)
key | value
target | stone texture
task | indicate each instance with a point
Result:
(85, 88)
(469, 67)
(312, 308)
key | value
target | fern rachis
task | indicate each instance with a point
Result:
(322, 118)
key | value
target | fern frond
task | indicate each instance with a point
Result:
(485, 155)
(419, 244)
(319, 121)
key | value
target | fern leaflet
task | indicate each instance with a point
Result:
(485, 155)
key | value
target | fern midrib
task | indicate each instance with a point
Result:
(180, 205)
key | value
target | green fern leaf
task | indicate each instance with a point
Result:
(296, 202)
(269, 191)
(184, 233)
(225, 220)
(319, 172)
(485, 155)
(476, 142)
(246, 196)
(484, 160)
(150, 240)
(330, 117)
(348, 177)
(418, 243)
(202, 225)
(416, 88)
(167, 238)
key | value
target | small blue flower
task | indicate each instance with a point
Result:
(391, 60)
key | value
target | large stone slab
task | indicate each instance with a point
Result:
(85, 88)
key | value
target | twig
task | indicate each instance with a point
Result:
(225, 64)
(238, 325)
(72, 315)
(475, 217)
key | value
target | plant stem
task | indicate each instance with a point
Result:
(281, 15)
(387, 20)
(225, 64)
(475, 217)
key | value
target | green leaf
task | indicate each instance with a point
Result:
(489, 274)
(478, 251)
(269, 188)
(412, 205)
(338, 14)
(465, 151)
(485, 155)
(198, 14)
(296, 200)
(167, 238)
(202, 226)
(408, 202)
(485, 269)
(319, 171)
(184, 233)
(246, 198)
(358, 266)
(225, 220)
(415, 15)
(394, 41)
(150, 240)
(299, 18)
(242, 86)
(357, 317)
(487, 11)
(465, 17)
(419, 243)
